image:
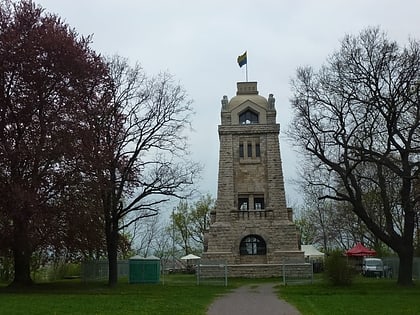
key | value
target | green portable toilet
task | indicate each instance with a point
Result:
(144, 270)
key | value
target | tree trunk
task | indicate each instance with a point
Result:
(22, 268)
(405, 270)
(406, 250)
(112, 247)
(21, 255)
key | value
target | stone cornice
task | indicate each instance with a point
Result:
(248, 129)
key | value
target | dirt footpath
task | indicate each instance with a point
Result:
(252, 300)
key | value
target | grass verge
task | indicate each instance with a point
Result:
(364, 296)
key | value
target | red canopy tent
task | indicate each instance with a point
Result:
(360, 251)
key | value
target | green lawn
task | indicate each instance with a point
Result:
(365, 296)
(181, 295)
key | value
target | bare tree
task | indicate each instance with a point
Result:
(330, 223)
(358, 120)
(163, 244)
(145, 234)
(315, 217)
(140, 152)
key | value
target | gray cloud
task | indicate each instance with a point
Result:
(198, 42)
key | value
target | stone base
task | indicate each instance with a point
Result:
(256, 266)
(275, 258)
(302, 271)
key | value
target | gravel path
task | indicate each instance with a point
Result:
(252, 300)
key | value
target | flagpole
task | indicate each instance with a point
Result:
(243, 60)
(246, 66)
(246, 71)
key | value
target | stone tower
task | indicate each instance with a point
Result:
(251, 227)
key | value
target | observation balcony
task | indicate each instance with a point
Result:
(252, 214)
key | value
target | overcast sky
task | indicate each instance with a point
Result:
(198, 42)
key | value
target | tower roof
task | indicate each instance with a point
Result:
(247, 91)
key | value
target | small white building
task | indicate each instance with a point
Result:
(311, 253)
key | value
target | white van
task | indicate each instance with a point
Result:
(373, 267)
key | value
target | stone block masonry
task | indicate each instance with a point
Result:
(251, 227)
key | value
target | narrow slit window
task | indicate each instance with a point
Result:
(241, 150)
(257, 150)
(249, 150)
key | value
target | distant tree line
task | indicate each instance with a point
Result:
(181, 234)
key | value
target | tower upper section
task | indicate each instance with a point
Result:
(248, 107)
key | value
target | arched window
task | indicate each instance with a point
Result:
(248, 117)
(252, 245)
